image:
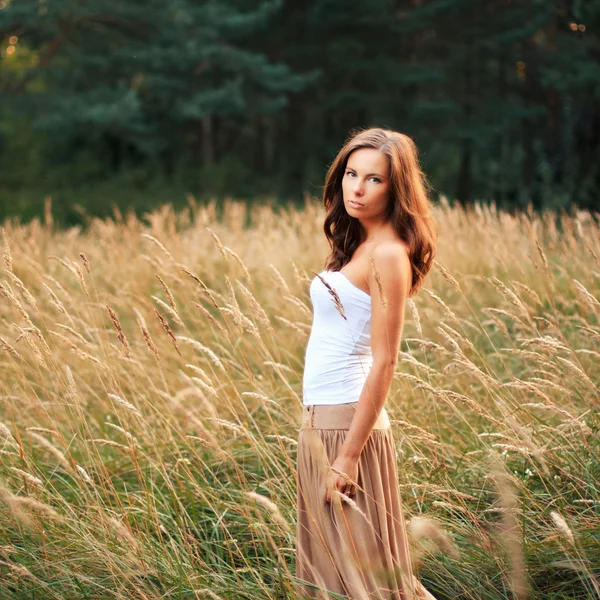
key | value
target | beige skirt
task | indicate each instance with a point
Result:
(357, 549)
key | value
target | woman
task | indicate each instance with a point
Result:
(351, 535)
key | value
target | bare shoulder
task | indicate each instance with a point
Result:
(390, 251)
(392, 264)
(392, 259)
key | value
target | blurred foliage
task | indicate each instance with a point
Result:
(134, 103)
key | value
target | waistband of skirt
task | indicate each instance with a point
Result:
(336, 416)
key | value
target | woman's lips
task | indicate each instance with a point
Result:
(355, 204)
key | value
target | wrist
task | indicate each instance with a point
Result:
(349, 454)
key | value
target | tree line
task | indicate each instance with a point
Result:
(254, 98)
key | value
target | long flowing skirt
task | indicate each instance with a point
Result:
(358, 549)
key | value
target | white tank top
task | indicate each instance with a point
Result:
(338, 354)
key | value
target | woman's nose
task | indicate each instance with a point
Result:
(358, 186)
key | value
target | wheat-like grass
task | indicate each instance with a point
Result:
(126, 465)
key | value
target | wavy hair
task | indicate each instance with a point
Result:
(409, 207)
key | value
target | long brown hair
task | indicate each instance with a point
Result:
(408, 208)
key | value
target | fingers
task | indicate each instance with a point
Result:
(339, 484)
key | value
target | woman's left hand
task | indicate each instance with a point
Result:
(346, 465)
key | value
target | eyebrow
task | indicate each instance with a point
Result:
(368, 174)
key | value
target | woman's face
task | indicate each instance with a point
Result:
(365, 185)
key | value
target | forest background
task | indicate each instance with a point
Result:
(130, 104)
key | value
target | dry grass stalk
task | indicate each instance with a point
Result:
(256, 308)
(577, 371)
(64, 263)
(241, 320)
(174, 315)
(298, 327)
(81, 278)
(62, 459)
(207, 388)
(124, 530)
(159, 244)
(240, 262)
(231, 292)
(453, 397)
(146, 334)
(229, 425)
(28, 477)
(415, 315)
(130, 438)
(110, 443)
(590, 298)
(54, 298)
(125, 404)
(168, 293)
(202, 373)
(528, 290)
(84, 474)
(26, 293)
(283, 438)
(562, 526)
(427, 345)
(510, 529)
(8, 263)
(535, 450)
(8, 348)
(279, 366)
(511, 296)
(165, 325)
(218, 243)
(295, 300)
(336, 299)
(86, 262)
(8, 294)
(409, 358)
(349, 501)
(32, 346)
(81, 353)
(120, 334)
(458, 336)
(211, 355)
(206, 593)
(207, 314)
(19, 570)
(545, 341)
(5, 431)
(445, 308)
(204, 287)
(382, 296)
(78, 335)
(477, 372)
(422, 528)
(149, 342)
(280, 278)
(447, 276)
(543, 256)
(35, 506)
(271, 506)
(52, 432)
(48, 220)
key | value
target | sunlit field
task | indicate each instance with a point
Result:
(151, 391)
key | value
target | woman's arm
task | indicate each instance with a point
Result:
(392, 265)
(389, 284)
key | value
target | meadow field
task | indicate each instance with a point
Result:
(151, 391)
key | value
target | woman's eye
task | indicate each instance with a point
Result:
(349, 173)
(376, 179)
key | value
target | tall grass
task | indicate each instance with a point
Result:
(151, 392)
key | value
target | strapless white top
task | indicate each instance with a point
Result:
(338, 354)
